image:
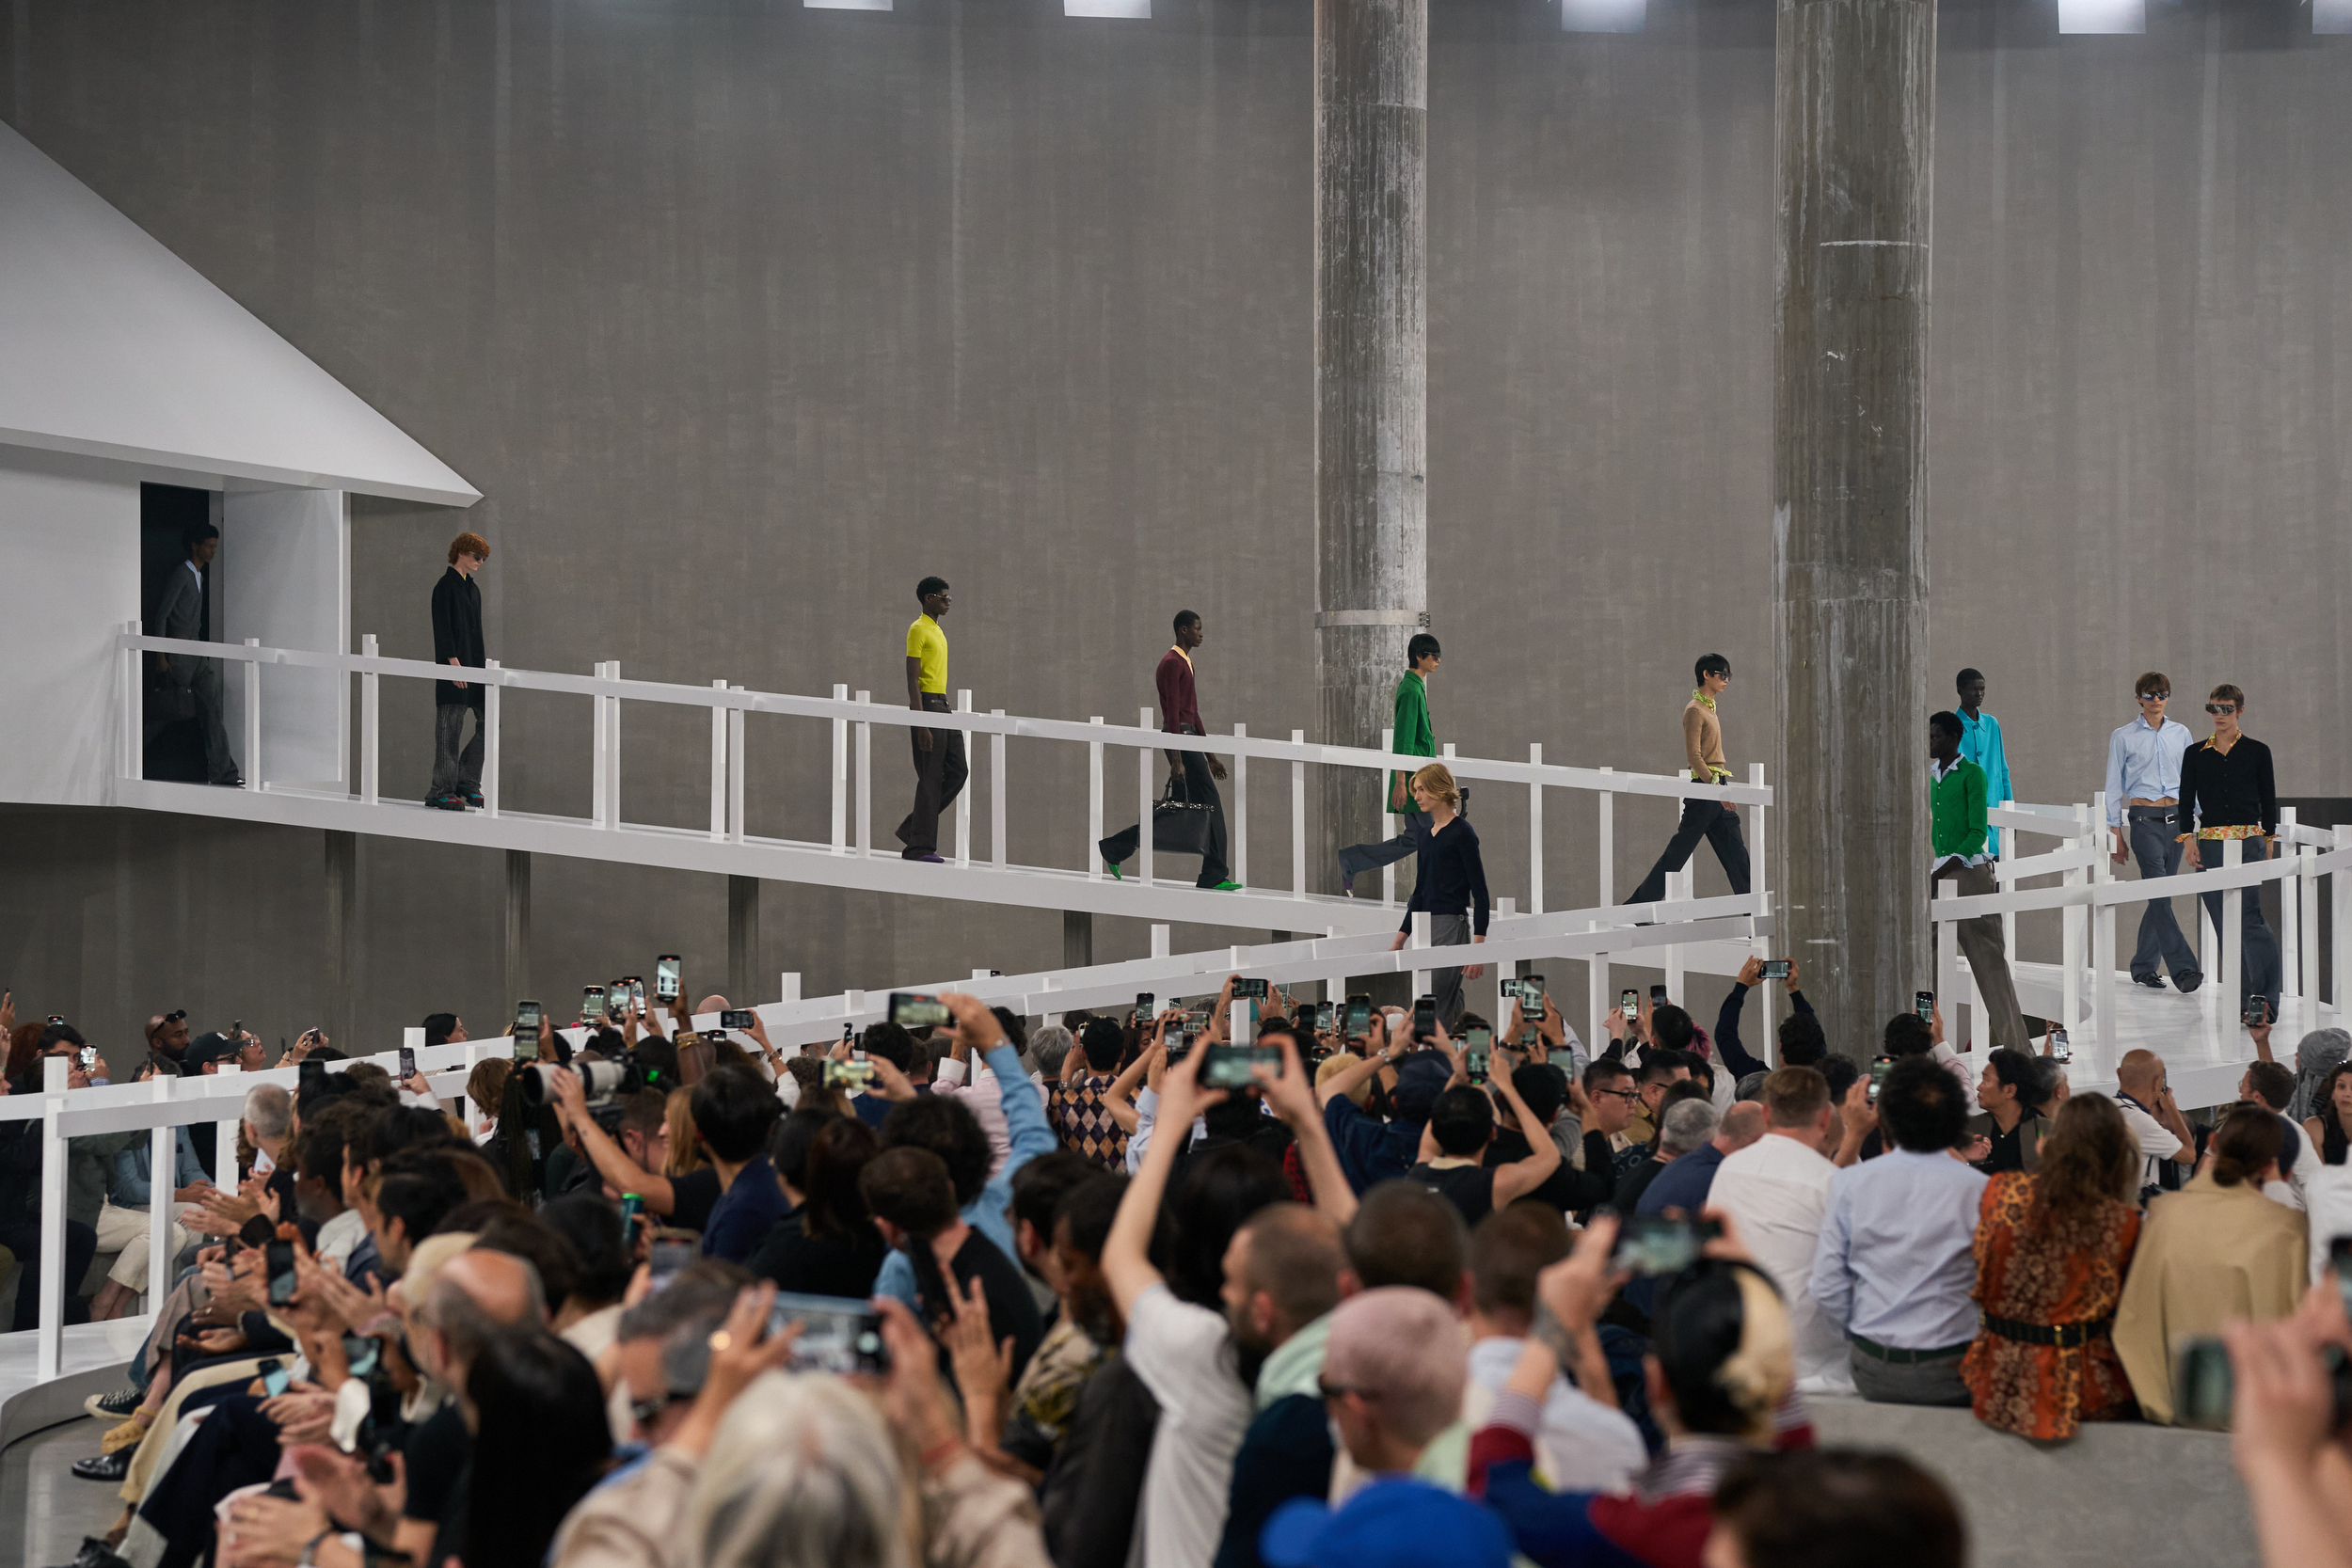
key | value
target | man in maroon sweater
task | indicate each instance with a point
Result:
(1180, 714)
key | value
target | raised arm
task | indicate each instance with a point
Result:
(1126, 1261)
(1521, 1177)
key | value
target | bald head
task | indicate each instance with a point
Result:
(1741, 1125)
(710, 1005)
(479, 1292)
(1402, 1351)
(2138, 1073)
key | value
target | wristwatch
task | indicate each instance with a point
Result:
(353, 1542)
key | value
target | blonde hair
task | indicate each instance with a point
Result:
(1336, 1063)
(803, 1474)
(686, 1150)
(1436, 782)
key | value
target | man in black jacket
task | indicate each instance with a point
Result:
(457, 640)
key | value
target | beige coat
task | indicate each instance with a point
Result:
(2208, 1255)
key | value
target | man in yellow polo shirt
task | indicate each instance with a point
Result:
(939, 767)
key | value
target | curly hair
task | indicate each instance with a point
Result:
(2087, 1161)
(468, 543)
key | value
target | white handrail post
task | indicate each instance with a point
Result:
(840, 775)
(1679, 885)
(1240, 867)
(2307, 885)
(996, 792)
(2340, 925)
(163, 1171)
(252, 722)
(865, 781)
(792, 986)
(1760, 944)
(1094, 806)
(2071, 925)
(1388, 818)
(963, 796)
(599, 779)
(734, 771)
(2006, 883)
(612, 753)
(1159, 941)
(130, 759)
(1298, 821)
(1144, 863)
(224, 1140)
(1419, 943)
(2232, 921)
(2290, 914)
(2103, 950)
(48, 1347)
(1535, 831)
(718, 767)
(1596, 1001)
(489, 737)
(1605, 840)
(1946, 947)
(370, 740)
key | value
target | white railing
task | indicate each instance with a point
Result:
(165, 1104)
(2090, 896)
(851, 719)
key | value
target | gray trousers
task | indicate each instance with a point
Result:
(1906, 1383)
(2158, 852)
(2259, 969)
(1357, 859)
(1448, 930)
(454, 772)
(1988, 961)
(201, 677)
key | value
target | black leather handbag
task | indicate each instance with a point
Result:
(1179, 826)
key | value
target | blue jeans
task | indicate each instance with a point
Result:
(2158, 853)
(2259, 971)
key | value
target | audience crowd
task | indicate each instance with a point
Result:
(1114, 1290)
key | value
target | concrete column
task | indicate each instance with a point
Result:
(1372, 112)
(1854, 103)
(517, 931)
(743, 941)
(1077, 938)
(342, 937)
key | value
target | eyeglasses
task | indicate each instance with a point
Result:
(2221, 708)
(646, 1412)
(1620, 1094)
(2155, 696)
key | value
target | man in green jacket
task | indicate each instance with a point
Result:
(1957, 805)
(1414, 738)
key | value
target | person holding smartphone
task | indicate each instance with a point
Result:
(2228, 791)
(1451, 886)
(1716, 821)
(1412, 735)
(1957, 805)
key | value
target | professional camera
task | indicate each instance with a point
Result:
(603, 1080)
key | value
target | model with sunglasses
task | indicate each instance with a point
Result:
(2144, 789)
(2227, 791)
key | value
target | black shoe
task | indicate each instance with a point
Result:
(106, 1466)
(474, 799)
(2154, 982)
(96, 1554)
(115, 1406)
(446, 802)
(2188, 982)
(235, 781)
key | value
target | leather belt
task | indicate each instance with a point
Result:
(2064, 1335)
(2153, 814)
(1906, 1357)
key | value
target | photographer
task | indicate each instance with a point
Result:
(630, 1158)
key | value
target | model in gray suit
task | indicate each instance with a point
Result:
(179, 612)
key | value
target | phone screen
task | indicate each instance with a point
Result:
(1878, 1075)
(1655, 1245)
(1358, 1017)
(632, 1205)
(669, 1255)
(1323, 1017)
(2257, 1011)
(738, 1018)
(665, 977)
(276, 1378)
(2061, 1049)
(590, 1004)
(408, 1064)
(1424, 1018)
(1629, 1003)
(277, 1258)
(1775, 969)
(1249, 988)
(913, 1010)
(1657, 996)
(1227, 1066)
(1477, 1051)
(1923, 1003)
(527, 1019)
(1146, 1007)
(616, 998)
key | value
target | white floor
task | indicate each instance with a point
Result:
(2204, 1046)
(44, 1510)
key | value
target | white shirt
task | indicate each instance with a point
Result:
(2144, 764)
(2156, 1141)
(2328, 1200)
(1581, 1445)
(1774, 1190)
(1185, 1357)
(337, 1236)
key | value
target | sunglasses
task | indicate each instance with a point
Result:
(2155, 696)
(1620, 1094)
(2221, 708)
(646, 1411)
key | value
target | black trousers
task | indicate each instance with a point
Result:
(1714, 821)
(81, 1246)
(1199, 785)
(939, 775)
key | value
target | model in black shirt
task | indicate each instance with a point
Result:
(2228, 791)
(1449, 879)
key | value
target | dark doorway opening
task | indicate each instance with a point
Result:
(168, 513)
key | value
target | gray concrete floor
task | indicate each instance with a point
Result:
(44, 1512)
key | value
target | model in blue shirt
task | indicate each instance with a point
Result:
(1980, 743)
(2143, 787)
(1025, 1128)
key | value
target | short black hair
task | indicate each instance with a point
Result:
(591, 1228)
(1921, 1107)
(928, 586)
(1959, 682)
(438, 1026)
(733, 1110)
(1802, 1041)
(1542, 1087)
(1907, 1034)
(1658, 1066)
(196, 533)
(1943, 721)
(892, 1043)
(1600, 1073)
(2017, 1070)
(788, 1146)
(911, 1189)
(1038, 1187)
(1709, 664)
(941, 1124)
(61, 1033)
(1672, 1028)
(1187, 618)
(1421, 646)
(1088, 1208)
(1839, 1072)
(420, 1187)
(1462, 1121)
(1404, 1234)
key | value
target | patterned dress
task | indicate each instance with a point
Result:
(2046, 1392)
(1081, 1119)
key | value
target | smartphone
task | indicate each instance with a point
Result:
(1147, 1007)
(1656, 997)
(840, 1335)
(407, 1063)
(87, 1057)
(672, 1250)
(590, 1004)
(275, 1377)
(2060, 1052)
(665, 977)
(1227, 1066)
(1426, 1018)
(527, 1019)
(632, 1207)
(1249, 990)
(848, 1075)
(617, 999)
(914, 1010)
(1878, 1075)
(1653, 1245)
(1477, 1050)
(360, 1353)
(1775, 969)
(1923, 1003)
(2257, 1013)
(738, 1018)
(1531, 990)
(1324, 1011)
(1359, 1015)
(278, 1266)
(1630, 1003)
(637, 991)
(1182, 1045)
(2339, 1260)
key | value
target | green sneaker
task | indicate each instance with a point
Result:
(1117, 876)
(1229, 887)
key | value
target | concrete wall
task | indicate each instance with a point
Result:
(743, 316)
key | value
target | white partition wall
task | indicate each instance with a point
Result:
(70, 552)
(283, 579)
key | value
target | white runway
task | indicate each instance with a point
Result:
(2204, 1046)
